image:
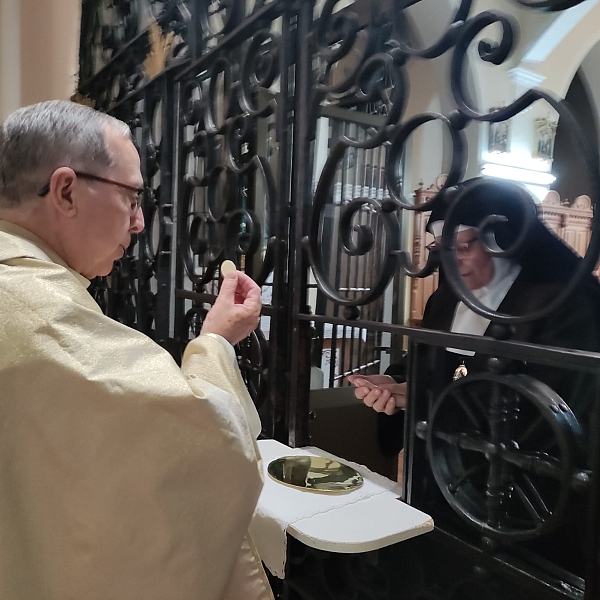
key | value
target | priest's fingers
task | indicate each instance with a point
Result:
(247, 292)
(234, 320)
(239, 289)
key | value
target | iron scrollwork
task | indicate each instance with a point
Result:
(549, 5)
(378, 77)
(230, 228)
(498, 494)
(240, 73)
(227, 196)
(446, 41)
(394, 134)
(497, 53)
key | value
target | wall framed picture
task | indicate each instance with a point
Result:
(498, 135)
(544, 134)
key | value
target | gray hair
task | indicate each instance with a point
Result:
(38, 139)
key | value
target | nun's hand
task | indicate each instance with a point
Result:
(380, 392)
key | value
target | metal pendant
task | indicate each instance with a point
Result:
(460, 371)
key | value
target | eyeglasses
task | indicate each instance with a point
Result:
(139, 192)
(463, 250)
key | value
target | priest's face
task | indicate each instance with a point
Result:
(108, 212)
(474, 263)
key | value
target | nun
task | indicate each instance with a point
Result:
(533, 275)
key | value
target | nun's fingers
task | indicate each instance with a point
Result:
(377, 399)
(382, 400)
(362, 392)
(391, 408)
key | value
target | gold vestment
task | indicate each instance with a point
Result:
(122, 476)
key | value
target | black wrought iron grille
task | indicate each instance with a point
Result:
(343, 350)
(228, 130)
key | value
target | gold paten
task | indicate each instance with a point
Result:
(315, 474)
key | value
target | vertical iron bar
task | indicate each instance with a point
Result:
(164, 267)
(336, 252)
(178, 190)
(279, 386)
(592, 543)
(300, 349)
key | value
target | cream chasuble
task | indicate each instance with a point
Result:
(122, 477)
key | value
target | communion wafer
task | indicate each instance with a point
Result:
(227, 266)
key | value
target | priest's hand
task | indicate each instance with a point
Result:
(380, 392)
(236, 311)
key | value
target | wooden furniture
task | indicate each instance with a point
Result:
(336, 411)
(572, 222)
(421, 289)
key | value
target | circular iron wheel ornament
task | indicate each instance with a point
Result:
(502, 451)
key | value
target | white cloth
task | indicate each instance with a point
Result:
(121, 475)
(280, 506)
(491, 295)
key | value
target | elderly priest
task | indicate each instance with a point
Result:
(112, 458)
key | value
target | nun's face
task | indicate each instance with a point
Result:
(474, 264)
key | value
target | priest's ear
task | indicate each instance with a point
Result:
(60, 191)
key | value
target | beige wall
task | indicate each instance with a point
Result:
(39, 46)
